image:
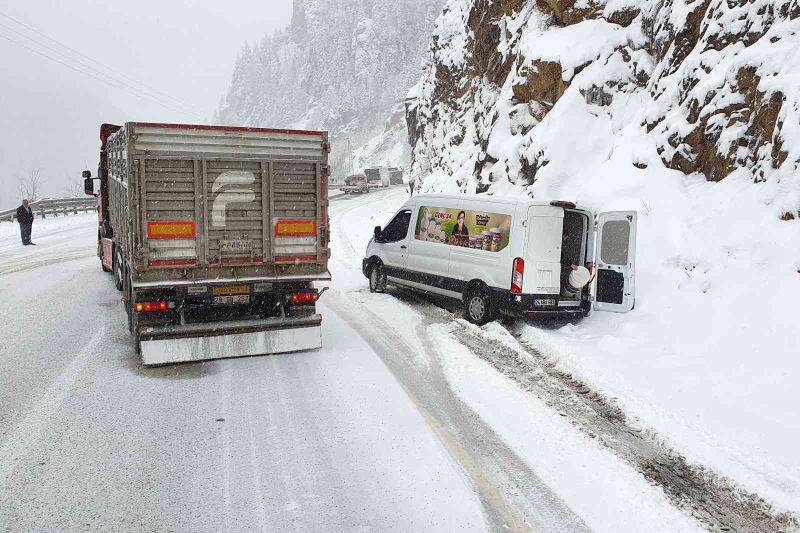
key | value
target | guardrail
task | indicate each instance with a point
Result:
(54, 207)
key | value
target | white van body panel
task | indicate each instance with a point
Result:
(535, 234)
(429, 257)
(492, 268)
(543, 251)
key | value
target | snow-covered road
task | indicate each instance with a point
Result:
(393, 426)
(323, 441)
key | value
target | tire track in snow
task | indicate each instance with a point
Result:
(716, 502)
(15, 266)
(514, 498)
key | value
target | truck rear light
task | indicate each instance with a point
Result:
(149, 307)
(517, 275)
(304, 297)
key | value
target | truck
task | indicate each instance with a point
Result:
(355, 184)
(384, 176)
(216, 236)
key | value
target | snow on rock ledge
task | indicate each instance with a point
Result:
(689, 112)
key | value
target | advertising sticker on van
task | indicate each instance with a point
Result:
(467, 229)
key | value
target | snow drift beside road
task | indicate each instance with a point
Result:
(708, 357)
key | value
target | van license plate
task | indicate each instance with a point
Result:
(231, 300)
(236, 246)
(545, 302)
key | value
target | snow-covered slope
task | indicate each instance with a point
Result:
(342, 65)
(688, 112)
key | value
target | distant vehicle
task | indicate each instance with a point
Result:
(373, 177)
(215, 236)
(385, 176)
(509, 256)
(356, 184)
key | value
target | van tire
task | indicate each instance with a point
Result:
(377, 278)
(478, 307)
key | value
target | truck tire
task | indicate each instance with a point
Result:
(377, 278)
(119, 270)
(100, 236)
(478, 307)
(133, 322)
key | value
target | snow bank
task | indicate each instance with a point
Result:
(610, 111)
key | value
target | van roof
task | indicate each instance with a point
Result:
(508, 200)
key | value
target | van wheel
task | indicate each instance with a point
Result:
(478, 307)
(377, 279)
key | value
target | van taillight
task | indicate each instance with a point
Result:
(516, 276)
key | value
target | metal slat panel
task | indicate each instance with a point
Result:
(177, 196)
(225, 143)
(171, 205)
(252, 166)
(294, 206)
(169, 186)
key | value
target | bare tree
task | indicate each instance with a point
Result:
(30, 185)
(73, 189)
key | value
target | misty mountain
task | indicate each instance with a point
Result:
(345, 66)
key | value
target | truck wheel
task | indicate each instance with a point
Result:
(477, 307)
(119, 271)
(132, 318)
(377, 279)
(101, 234)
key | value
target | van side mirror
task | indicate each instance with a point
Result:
(378, 234)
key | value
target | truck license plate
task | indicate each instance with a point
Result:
(236, 246)
(544, 302)
(231, 300)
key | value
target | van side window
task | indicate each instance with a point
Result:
(397, 229)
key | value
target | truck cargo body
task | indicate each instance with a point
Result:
(216, 236)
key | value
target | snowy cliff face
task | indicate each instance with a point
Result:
(685, 111)
(342, 65)
(517, 91)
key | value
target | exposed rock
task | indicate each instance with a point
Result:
(541, 82)
(708, 108)
(624, 17)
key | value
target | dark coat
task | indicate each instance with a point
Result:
(24, 216)
(463, 231)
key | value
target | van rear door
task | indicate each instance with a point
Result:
(543, 250)
(615, 256)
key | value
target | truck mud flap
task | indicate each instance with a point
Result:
(202, 342)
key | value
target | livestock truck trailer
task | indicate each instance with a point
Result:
(216, 237)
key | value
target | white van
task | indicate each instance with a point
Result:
(506, 255)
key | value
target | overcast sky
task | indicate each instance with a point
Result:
(180, 52)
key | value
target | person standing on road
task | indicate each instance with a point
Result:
(25, 219)
(411, 187)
